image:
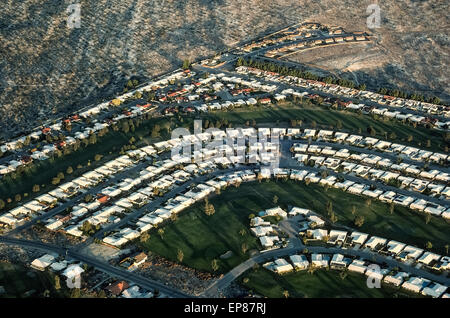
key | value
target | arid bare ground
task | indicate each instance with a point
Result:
(48, 69)
(188, 280)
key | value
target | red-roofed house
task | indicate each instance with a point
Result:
(118, 287)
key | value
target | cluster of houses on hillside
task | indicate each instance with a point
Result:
(402, 252)
(72, 271)
(306, 43)
(201, 89)
(305, 34)
(299, 262)
(93, 125)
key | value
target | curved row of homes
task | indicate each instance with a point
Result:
(167, 173)
(132, 182)
(342, 262)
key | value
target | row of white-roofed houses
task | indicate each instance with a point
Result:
(175, 205)
(68, 190)
(425, 108)
(359, 188)
(232, 81)
(114, 202)
(375, 167)
(404, 151)
(316, 261)
(408, 254)
(436, 175)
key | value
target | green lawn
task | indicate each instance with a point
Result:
(327, 119)
(203, 238)
(16, 282)
(321, 284)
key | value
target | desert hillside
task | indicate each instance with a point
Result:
(48, 69)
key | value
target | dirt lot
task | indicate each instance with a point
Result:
(178, 276)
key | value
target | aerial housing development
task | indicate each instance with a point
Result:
(244, 174)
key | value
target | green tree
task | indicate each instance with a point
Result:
(130, 84)
(144, 237)
(329, 208)
(244, 248)
(427, 218)
(156, 131)
(186, 64)
(88, 198)
(359, 220)
(125, 127)
(92, 139)
(2, 204)
(209, 208)
(391, 208)
(429, 245)
(275, 199)
(333, 217)
(180, 256)
(69, 170)
(161, 233)
(76, 293)
(215, 265)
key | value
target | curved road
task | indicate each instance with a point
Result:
(298, 247)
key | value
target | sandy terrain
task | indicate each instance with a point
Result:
(48, 69)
